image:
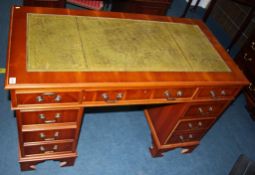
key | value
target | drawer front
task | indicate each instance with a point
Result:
(48, 98)
(138, 94)
(194, 124)
(173, 93)
(110, 96)
(41, 117)
(114, 96)
(117, 95)
(185, 137)
(201, 110)
(48, 148)
(103, 96)
(48, 135)
(217, 92)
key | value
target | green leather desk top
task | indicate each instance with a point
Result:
(77, 43)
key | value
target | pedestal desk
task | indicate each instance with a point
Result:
(63, 61)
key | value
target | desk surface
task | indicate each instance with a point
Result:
(17, 76)
(112, 44)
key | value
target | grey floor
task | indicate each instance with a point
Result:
(116, 142)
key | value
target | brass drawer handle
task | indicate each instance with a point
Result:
(253, 45)
(246, 58)
(190, 136)
(42, 149)
(179, 93)
(54, 148)
(199, 124)
(202, 112)
(58, 115)
(251, 87)
(56, 135)
(213, 94)
(58, 98)
(50, 121)
(167, 94)
(40, 98)
(107, 99)
(190, 125)
(42, 117)
(223, 93)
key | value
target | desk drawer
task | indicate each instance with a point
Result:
(48, 148)
(104, 96)
(217, 92)
(194, 124)
(47, 98)
(48, 135)
(41, 117)
(209, 109)
(178, 137)
(173, 93)
(113, 96)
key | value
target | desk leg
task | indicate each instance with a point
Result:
(31, 164)
(155, 152)
(188, 149)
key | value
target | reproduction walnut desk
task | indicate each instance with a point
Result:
(61, 61)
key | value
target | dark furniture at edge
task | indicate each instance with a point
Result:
(246, 61)
(249, 3)
(153, 7)
(45, 3)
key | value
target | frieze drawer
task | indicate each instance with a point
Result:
(173, 93)
(104, 96)
(217, 92)
(47, 98)
(46, 117)
(49, 135)
(48, 148)
(208, 109)
(166, 94)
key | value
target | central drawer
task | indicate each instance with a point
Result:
(114, 96)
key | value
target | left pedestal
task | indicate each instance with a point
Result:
(48, 134)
